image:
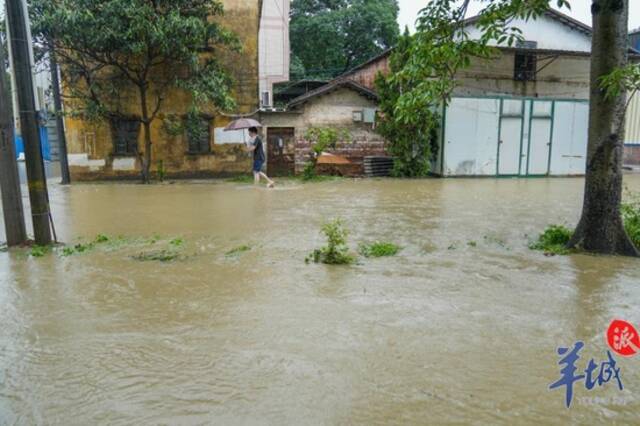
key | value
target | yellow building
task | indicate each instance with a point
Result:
(109, 150)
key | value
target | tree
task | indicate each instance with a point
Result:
(441, 47)
(331, 36)
(601, 228)
(121, 58)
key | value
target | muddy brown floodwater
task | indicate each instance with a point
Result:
(448, 331)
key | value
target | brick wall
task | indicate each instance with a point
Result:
(632, 155)
(354, 151)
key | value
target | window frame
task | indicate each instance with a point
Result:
(204, 148)
(131, 145)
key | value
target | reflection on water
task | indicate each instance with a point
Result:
(445, 332)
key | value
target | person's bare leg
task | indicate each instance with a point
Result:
(256, 178)
(270, 183)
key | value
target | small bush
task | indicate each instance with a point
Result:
(39, 251)
(631, 217)
(336, 252)
(309, 171)
(554, 240)
(379, 249)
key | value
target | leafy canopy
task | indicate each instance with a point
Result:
(328, 37)
(119, 53)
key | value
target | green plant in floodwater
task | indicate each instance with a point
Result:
(336, 252)
(631, 217)
(176, 242)
(101, 238)
(157, 256)
(379, 249)
(39, 251)
(472, 244)
(554, 240)
(238, 250)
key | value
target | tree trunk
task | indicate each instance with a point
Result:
(146, 124)
(601, 229)
(146, 159)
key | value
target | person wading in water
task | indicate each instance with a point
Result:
(257, 147)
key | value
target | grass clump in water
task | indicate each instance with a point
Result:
(336, 252)
(631, 217)
(379, 249)
(39, 251)
(554, 240)
(157, 256)
(238, 250)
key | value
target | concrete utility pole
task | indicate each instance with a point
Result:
(57, 103)
(9, 179)
(19, 40)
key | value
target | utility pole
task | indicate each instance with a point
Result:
(12, 208)
(19, 40)
(57, 103)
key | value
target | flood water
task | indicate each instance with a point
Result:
(461, 327)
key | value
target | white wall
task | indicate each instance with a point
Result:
(274, 44)
(633, 121)
(549, 33)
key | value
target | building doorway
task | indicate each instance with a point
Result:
(280, 151)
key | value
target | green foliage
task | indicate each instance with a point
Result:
(621, 80)
(123, 57)
(176, 242)
(161, 171)
(554, 240)
(379, 249)
(412, 136)
(424, 67)
(85, 247)
(309, 171)
(336, 252)
(173, 125)
(238, 250)
(322, 139)
(328, 37)
(39, 251)
(631, 218)
(157, 256)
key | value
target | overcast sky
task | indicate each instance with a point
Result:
(580, 9)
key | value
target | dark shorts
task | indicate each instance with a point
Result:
(257, 165)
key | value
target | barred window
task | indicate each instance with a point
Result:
(198, 135)
(125, 133)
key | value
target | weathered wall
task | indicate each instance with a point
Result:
(333, 110)
(366, 74)
(90, 145)
(549, 33)
(559, 77)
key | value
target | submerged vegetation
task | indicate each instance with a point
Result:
(554, 240)
(379, 249)
(164, 255)
(336, 252)
(631, 217)
(238, 250)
